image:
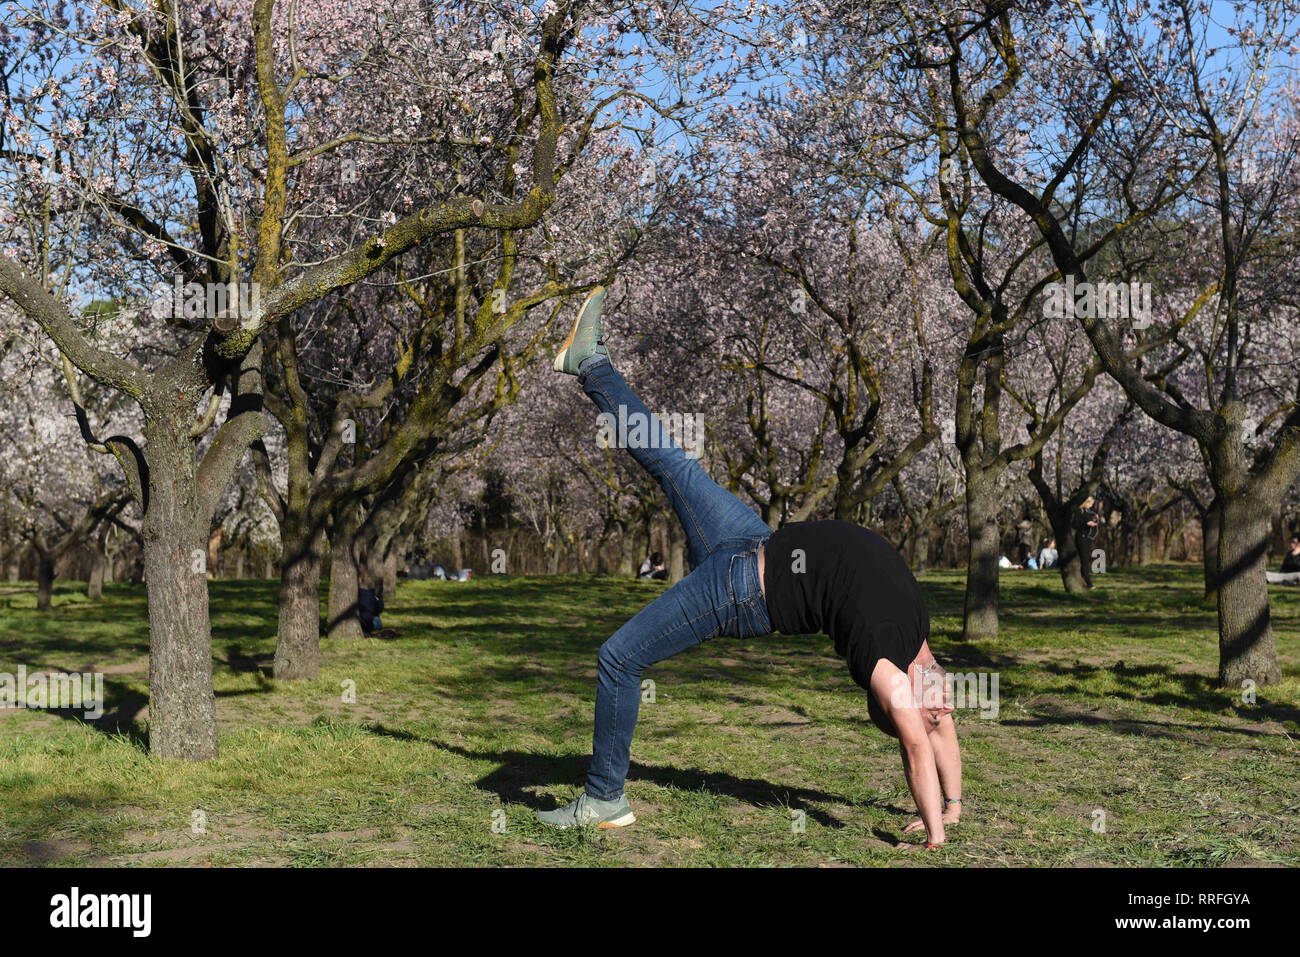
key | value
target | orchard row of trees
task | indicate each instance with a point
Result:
(280, 284)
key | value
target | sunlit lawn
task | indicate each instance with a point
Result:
(480, 713)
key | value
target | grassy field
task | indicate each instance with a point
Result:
(481, 713)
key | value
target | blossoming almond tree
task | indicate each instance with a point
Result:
(179, 130)
(58, 495)
(391, 375)
(1207, 109)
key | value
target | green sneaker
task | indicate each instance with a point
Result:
(584, 338)
(587, 810)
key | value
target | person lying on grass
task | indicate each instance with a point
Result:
(747, 581)
(1290, 572)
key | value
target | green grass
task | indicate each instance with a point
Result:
(484, 705)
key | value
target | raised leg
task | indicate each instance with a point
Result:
(710, 515)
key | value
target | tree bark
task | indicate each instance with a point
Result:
(921, 549)
(390, 571)
(297, 646)
(981, 608)
(1069, 561)
(101, 563)
(1211, 524)
(182, 708)
(95, 587)
(457, 552)
(45, 583)
(1246, 647)
(676, 554)
(214, 551)
(1279, 535)
(342, 620)
(1144, 533)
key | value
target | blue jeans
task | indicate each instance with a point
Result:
(721, 595)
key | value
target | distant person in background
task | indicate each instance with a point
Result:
(370, 603)
(1048, 556)
(1291, 563)
(1290, 573)
(1086, 523)
(1025, 557)
(653, 567)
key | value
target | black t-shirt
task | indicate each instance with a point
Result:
(851, 584)
(1291, 563)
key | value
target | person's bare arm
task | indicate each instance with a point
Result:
(947, 760)
(914, 745)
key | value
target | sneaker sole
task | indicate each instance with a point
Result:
(558, 365)
(623, 821)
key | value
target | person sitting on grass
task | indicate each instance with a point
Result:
(1290, 572)
(747, 581)
(653, 567)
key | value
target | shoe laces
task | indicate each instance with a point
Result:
(579, 811)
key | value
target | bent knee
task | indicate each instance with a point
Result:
(613, 659)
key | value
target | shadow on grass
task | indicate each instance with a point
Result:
(120, 721)
(1133, 726)
(518, 772)
(1197, 691)
(75, 626)
(238, 661)
(123, 719)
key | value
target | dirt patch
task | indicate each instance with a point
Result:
(39, 716)
(54, 850)
(140, 667)
(772, 715)
(179, 853)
